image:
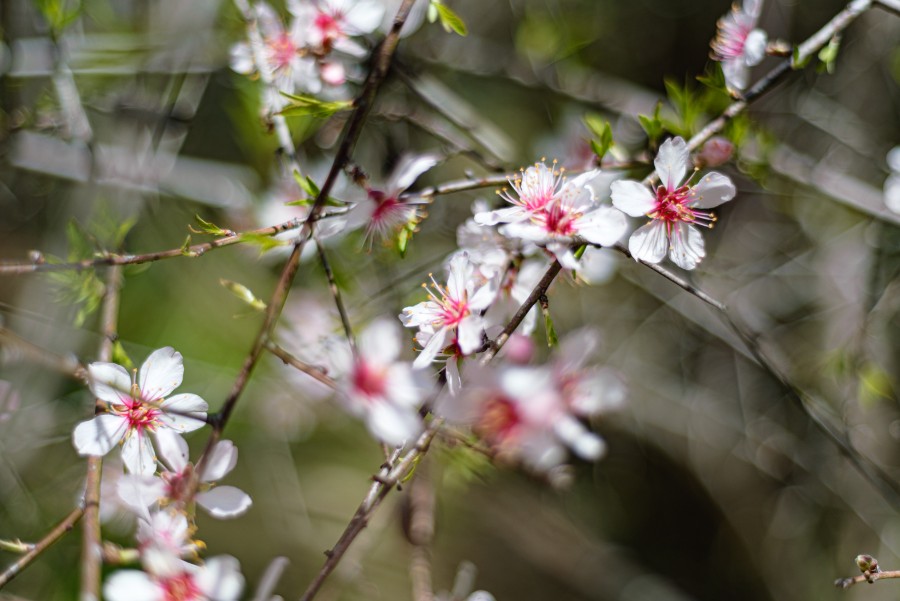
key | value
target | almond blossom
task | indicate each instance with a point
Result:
(453, 314)
(739, 45)
(172, 485)
(383, 212)
(574, 214)
(675, 208)
(137, 409)
(386, 392)
(329, 24)
(218, 579)
(534, 189)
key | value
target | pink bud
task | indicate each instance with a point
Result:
(519, 349)
(715, 152)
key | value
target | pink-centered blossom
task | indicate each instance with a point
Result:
(453, 314)
(138, 409)
(217, 579)
(384, 391)
(383, 212)
(330, 24)
(675, 208)
(171, 487)
(575, 214)
(739, 45)
(533, 189)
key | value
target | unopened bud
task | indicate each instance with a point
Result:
(519, 349)
(715, 152)
(867, 563)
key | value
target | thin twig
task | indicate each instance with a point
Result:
(54, 535)
(420, 531)
(336, 294)
(871, 578)
(311, 370)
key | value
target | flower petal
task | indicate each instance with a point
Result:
(184, 412)
(380, 342)
(109, 382)
(672, 162)
(469, 333)
(604, 226)
(99, 435)
(139, 492)
(161, 373)
(173, 449)
(504, 215)
(712, 190)
(409, 168)
(633, 198)
(221, 461)
(392, 424)
(649, 243)
(131, 585)
(138, 455)
(221, 579)
(432, 348)
(686, 246)
(224, 502)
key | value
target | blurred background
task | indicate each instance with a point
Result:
(717, 484)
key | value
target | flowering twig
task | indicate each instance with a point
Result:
(39, 547)
(91, 548)
(871, 572)
(391, 475)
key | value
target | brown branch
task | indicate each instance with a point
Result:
(420, 532)
(313, 371)
(42, 545)
(336, 295)
(846, 583)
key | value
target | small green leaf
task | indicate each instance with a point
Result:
(714, 77)
(652, 125)
(828, 54)
(552, 338)
(603, 131)
(406, 233)
(432, 11)
(450, 20)
(121, 357)
(304, 105)
(209, 228)
(796, 62)
(186, 247)
(265, 243)
(244, 293)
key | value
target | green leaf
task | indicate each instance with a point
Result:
(449, 19)
(714, 77)
(406, 233)
(186, 248)
(828, 54)
(552, 338)
(306, 184)
(244, 293)
(603, 131)
(121, 357)
(432, 12)
(652, 125)
(209, 228)
(796, 62)
(303, 105)
(264, 242)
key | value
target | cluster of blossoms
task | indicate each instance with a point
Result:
(314, 51)
(162, 493)
(739, 44)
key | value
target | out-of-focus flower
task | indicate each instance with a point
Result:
(674, 209)
(387, 393)
(218, 579)
(739, 45)
(163, 540)
(133, 416)
(170, 488)
(284, 53)
(453, 315)
(716, 151)
(329, 24)
(382, 212)
(892, 184)
(574, 213)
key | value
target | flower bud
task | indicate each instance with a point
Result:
(715, 152)
(519, 349)
(867, 563)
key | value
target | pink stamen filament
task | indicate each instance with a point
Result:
(673, 206)
(368, 380)
(282, 51)
(453, 310)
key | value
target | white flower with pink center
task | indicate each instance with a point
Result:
(575, 214)
(284, 52)
(675, 208)
(331, 23)
(218, 579)
(534, 189)
(139, 409)
(739, 45)
(172, 486)
(383, 212)
(454, 314)
(385, 392)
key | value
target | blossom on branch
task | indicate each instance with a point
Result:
(218, 579)
(739, 45)
(454, 314)
(675, 208)
(139, 408)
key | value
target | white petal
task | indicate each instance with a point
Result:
(603, 226)
(586, 444)
(139, 492)
(221, 578)
(755, 47)
(434, 346)
(460, 272)
(224, 502)
(364, 16)
(736, 73)
(893, 158)
(420, 315)
(161, 373)
(633, 197)
(409, 168)
(469, 334)
(138, 455)
(686, 246)
(598, 265)
(380, 342)
(191, 412)
(454, 380)
(563, 253)
(131, 585)
(672, 162)
(221, 461)
(242, 59)
(99, 435)
(712, 190)
(406, 387)
(649, 243)
(483, 297)
(504, 215)
(109, 382)
(173, 449)
(393, 425)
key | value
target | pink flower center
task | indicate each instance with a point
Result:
(536, 187)
(181, 588)
(368, 380)
(329, 27)
(140, 416)
(177, 483)
(499, 421)
(282, 51)
(452, 310)
(673, 206)
(557, 219)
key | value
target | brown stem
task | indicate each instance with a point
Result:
(871, 578)
(311, 370)
(336, 294)
(54, 535)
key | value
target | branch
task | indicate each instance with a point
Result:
(39, 547)
(336, 295)
(420, 531)
(846, 583)
(313, 371)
